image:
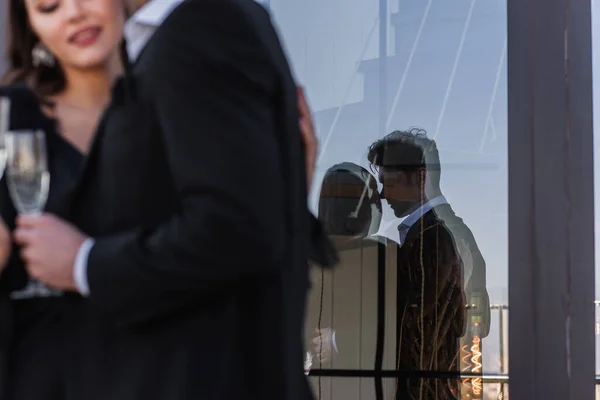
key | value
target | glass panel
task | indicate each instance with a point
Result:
(326, 388)
(495, 388)
(435, 294)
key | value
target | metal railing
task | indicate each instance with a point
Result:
(502, 378)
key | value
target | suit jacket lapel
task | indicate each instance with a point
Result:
(441, 211)
(416, 229)
(142, 51)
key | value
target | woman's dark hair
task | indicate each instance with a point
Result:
(345, 202)
(44, 80)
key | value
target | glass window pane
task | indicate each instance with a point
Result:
(327, 388)
(420, 219)
(495, 388)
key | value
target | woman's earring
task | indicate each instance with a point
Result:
(41, 56)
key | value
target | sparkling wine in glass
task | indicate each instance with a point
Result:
(28, 181)
(27, 172)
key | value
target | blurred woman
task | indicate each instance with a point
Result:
(63, 57)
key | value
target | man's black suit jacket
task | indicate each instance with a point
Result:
(431, 309)
(195, 192)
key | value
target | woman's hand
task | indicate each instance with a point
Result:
(5, 245)
(311, 144)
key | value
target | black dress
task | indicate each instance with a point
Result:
(35, 332)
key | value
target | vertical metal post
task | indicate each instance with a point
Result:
(502, 328)
(383, 33)
(551, 200)
(383, 46)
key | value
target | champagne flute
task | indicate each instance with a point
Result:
(27, 172)
(4, 126)
(28, 181)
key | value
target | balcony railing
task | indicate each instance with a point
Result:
(502, 378)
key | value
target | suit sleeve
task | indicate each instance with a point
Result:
(211, 83)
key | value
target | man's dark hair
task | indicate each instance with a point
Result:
(408, 151)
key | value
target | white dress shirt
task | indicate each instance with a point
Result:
(141, 26)
(138, 31)
(417, 214)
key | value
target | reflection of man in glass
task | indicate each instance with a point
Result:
(439, 267)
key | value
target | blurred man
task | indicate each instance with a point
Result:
(193, 232)
(439, 267)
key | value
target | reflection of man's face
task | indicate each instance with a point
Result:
(401, 189)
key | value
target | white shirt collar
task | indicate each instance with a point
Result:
(140, 27)
(154, 12)
(418, 213)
